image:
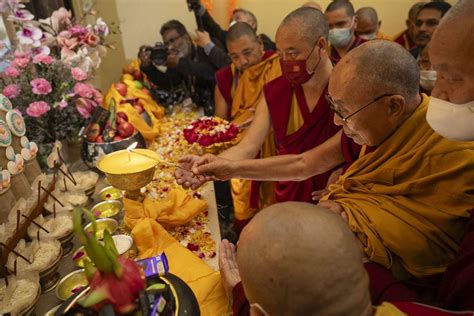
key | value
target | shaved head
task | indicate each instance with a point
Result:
(367, 14)
(383, 67)
(345, 4)
(452, 52)
(301, 259)
(239, 30)
(311, 4)
(310, 23)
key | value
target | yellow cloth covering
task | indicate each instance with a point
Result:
(246, 96)
(152, 239)
(387, 309)
(407, 201)
(154, 111)
(382, 35)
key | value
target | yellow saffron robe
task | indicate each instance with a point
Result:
(245, 96)
(407, 201)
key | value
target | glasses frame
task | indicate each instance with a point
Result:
(332, 104)
(173, 40)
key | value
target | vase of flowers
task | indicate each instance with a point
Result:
(49, 73)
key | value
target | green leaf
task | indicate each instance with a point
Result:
(89, 270)
(116, 266)
(109, 242)
(95, 297)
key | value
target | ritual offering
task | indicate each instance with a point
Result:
(123, 243)
(71, 284)
(43, 254)
(114, 280)
(83, 181)
(20, 295)
(110, 193)
(58, 227)
(107, 209)
(98, 227)
(211, 132)
(64, 202)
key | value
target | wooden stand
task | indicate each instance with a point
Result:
(20, 186)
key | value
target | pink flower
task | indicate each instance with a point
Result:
(11, 91)
(85, 90)
(30, 35)
(19, 54)
(78, 74)
(44, 59)
(12, 72)
(38, 108)
(41, 86)
(78, 31)
(62, 104)
(85, 107)
(92, 39)
(65, 40)
(21, 16)
(21, 63)
(61, 18)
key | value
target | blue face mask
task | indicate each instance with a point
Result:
(341, 37)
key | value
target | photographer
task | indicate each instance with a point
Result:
(178, 69)
(217, 55)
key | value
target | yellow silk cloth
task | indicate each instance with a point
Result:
(407, 201)
(146, 220)
(154, 111)
(387, 309)
(246, 96)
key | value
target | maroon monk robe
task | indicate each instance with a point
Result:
(335, 57)
(317, 128)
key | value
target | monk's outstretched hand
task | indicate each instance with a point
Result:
(215, 167)
(230, 275)
(186, 178)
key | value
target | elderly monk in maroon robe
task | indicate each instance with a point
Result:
(295, 104)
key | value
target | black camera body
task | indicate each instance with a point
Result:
(159, 54)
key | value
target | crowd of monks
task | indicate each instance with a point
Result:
(353, 179)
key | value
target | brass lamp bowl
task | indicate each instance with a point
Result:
(129, 171)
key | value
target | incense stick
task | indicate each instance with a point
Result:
(160, 160)
(4, 268)
(67, 168)
(37, 225)
(51, 195)
(16, 253)
(17, 220)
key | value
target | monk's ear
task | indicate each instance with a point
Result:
(396, 107)
(323, 44)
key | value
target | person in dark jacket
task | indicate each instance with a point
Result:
(180, 71)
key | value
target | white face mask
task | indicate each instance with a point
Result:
(428, 79)
(341, 37)
(452, 121)
(368, 37)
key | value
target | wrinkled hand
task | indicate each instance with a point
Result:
(230, 275)
(334, 207)
(202, 38)
(188, 179)
(317, 195)
(214, 167)
(144, 54)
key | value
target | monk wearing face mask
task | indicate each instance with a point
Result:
(342, 22)
(294, 105)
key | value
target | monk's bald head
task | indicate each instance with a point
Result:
(309, 23)
(452, 52)
(312, 4)
(379, 67)
(367, 21)
(239, 30)
(300, 259)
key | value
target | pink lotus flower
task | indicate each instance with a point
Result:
(12, 72)
(37, 109)
(11, 91)
(41, 86)
(30, 35)
(78, 74)
(21, 63)
(44, 59)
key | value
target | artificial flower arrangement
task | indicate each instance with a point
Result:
(47, 80)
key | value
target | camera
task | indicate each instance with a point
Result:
(193, 5)
(159, 54)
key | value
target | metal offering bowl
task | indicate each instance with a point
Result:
(110, 193)
(80, 257)
(102, 224)
(107, 209)
(49, 277)
(68, 284)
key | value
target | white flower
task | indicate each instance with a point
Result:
(30, 35)
(21, 16)
(101, 27)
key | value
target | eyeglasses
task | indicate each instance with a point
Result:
(333, 104)
(172, 40)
